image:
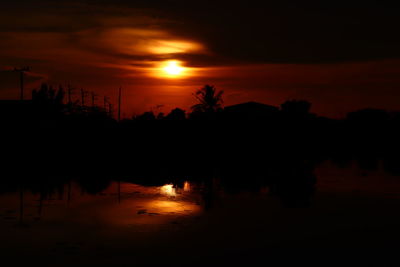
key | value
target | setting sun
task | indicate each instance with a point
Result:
(173, 68)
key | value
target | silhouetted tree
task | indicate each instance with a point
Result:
(59, 97)
(160, 116)
(48, 100)
(209, 99)
(147, 116)
(177, 114)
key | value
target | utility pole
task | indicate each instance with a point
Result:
(83, 95)
(119, 103)
(110, 109)
(22, 74)
(106, 101)
(94, 97)
(70, 89)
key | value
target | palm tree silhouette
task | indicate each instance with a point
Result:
(209, 99)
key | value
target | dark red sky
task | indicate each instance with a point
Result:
(340, 56)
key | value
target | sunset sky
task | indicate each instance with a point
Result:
(338, 55)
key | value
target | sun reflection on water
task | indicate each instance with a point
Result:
(139, 206)
(186, 187)
(168, 190)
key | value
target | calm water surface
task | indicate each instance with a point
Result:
(120, 205)
(352, 207)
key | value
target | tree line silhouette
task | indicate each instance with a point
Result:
(56, 106)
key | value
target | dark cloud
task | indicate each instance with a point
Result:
(293, 33)
(283, 31)
(238, 31)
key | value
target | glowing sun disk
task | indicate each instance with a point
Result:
(173, 68)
